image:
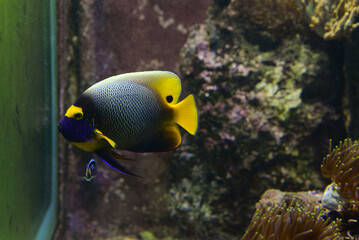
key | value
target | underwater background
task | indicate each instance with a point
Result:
(276, 84)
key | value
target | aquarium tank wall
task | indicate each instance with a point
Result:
(28, 145)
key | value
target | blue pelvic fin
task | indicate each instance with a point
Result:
(111, 159)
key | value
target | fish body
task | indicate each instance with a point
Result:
(134, 111)
(90, 170)
(128, 113)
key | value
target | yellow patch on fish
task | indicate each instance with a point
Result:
(98, 142)
(74, 112)
(99, 135)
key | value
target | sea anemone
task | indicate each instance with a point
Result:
(291, 220)
(342, 166)
(349, 221)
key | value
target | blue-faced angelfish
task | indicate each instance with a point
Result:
(90, 170)
(137, 112)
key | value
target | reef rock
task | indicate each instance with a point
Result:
(267, 109)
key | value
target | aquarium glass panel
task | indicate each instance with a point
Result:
(27, 139)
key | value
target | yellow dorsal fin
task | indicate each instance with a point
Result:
(185, 114)
(163, 82)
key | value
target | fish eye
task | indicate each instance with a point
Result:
(169, 98)
(78, 116)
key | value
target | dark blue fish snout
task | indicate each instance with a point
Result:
(59, 127)
(64, 127)
(75, 130)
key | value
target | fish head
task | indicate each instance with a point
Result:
(77, 125)
(91, 165)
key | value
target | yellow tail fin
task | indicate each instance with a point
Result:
(185, 114)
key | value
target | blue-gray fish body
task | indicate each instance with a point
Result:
(128, 113)
(134, 111)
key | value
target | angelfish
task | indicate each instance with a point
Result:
(135, 111)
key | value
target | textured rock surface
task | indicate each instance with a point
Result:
(267, 110)
(98, 39)
(143, 34)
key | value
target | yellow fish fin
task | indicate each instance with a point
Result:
(100, 137)
(166, 84)
(168, 138)
(98, 142)
(186, 115)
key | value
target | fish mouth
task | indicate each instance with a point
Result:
(60, 127)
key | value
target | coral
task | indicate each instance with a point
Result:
(331, 18)
(293, 217)
(341, 165)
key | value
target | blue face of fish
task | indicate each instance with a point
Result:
(76, 126)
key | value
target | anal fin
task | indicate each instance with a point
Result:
(108, 158)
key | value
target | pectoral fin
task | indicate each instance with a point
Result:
(106, 140)
(96, 143)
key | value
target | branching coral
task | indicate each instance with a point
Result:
(331, 18)
(342, 166)
(290, 221)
